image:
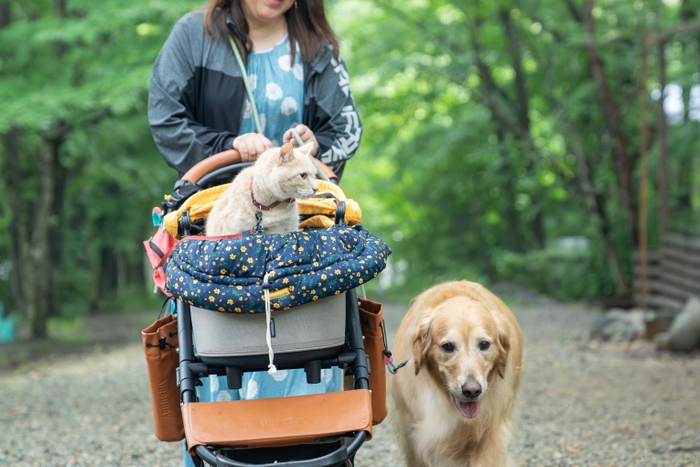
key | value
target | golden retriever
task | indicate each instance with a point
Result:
(453, 402)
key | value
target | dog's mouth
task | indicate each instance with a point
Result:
(468, 409)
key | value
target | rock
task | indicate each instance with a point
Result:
(619, 325)
(684, 334)
(659, 321)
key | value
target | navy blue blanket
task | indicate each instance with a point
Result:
(227, 274)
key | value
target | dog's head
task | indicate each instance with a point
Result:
(463, 345)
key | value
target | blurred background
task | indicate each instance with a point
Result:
(542, 143)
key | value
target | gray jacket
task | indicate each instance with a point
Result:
(196, 97)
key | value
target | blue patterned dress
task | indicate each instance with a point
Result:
(278, 90)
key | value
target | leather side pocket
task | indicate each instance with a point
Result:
(372, 319)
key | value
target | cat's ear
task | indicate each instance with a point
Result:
(286, 154)
(306, 149)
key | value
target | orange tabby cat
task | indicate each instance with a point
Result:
(261, 196)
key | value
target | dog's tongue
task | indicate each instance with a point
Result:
(469, 409)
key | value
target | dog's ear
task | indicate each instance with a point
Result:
(503, 350)
(421, 343)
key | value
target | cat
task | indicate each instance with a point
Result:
(267, 188)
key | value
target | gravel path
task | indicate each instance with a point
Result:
(581, 404)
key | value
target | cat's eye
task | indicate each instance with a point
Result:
(484, 345)
(303, 176)
(448, 347)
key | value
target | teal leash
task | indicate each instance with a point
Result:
(244, 72)
(254, 108)
(313, 160)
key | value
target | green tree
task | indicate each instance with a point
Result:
(506, 125)
(73, 85)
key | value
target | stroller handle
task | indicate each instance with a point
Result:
(229, 157)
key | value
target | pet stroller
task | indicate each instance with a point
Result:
(227, 306)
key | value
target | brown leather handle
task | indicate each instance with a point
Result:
(327, 171)
(232, 156)
(211, 164)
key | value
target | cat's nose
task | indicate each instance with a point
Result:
(315, 188)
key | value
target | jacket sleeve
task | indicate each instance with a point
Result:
(335, 121)
(171, 104)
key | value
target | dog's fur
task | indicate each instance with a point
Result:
(433, 429)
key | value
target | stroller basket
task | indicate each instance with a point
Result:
(314, 325)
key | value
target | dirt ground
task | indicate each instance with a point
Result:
(581, 403)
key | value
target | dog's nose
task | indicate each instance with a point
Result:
(471, 389)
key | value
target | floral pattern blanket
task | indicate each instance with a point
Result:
(226, 273)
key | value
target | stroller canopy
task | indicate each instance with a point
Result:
(226, 274)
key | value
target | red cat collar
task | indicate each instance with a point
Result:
(260, 206)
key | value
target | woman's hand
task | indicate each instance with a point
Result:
(251, 145)
(305, 134)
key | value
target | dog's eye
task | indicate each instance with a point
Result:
(448, 347)
(303, 176)
(483, 345)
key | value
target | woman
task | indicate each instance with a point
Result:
(197, 103)
(198, 107)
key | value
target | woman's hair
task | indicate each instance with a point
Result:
(307, 26)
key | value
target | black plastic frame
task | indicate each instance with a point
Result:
(230, 171)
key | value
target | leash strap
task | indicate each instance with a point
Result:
(388, 359)
(244, 72)
(254, 108)
(313, 161)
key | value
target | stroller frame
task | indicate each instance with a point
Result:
(354, 361)
(351, 358)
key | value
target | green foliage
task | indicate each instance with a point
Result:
(89, 66)
(95, 60)
(460, 191)
(109, 200)
(566, 273)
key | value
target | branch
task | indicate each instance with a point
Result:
(682, 29)
(5, 14)
(419, 24)
(485, 74)
(573, 9)
(515, 54)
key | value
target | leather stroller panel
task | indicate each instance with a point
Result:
(277, 422)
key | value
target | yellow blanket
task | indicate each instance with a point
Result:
(315, 212)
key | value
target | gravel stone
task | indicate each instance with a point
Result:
(581, 403)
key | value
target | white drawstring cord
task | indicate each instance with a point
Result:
(268, 333)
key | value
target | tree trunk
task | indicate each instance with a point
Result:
(615, 119)
(512, 215)
(662, 128)
(596, 203)
(522, 110)
(5, 13)
(32, 224)
(56, 236)
(12, 177)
